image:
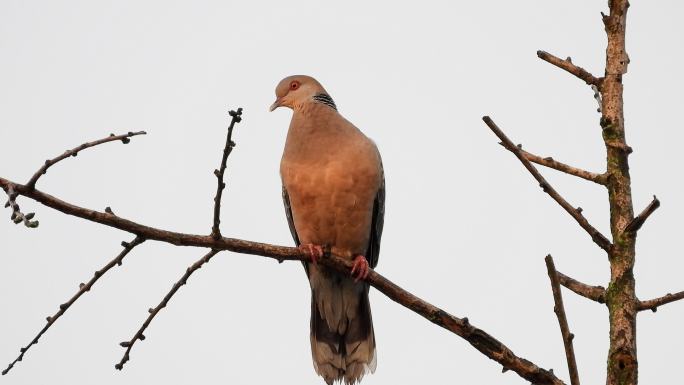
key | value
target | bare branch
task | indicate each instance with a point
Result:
(82, 289)
(576, 213)
(478, 338)
(139, 336)
(236, 118)
(653, 304)
(559, 309)
(637, 222)
(125, 138)
(571, 68)
(151, 233)
(594, 293)
(554, 164)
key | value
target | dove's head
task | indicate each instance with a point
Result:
(294, 91)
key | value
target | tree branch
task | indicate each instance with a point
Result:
(576, 213)
(639, 220)
(653, 304)
(559, 309)
(236, 118)
(551, 163)
(82, 289)
(125, 138)
(478, 338)
(139, 336)
(571, 68)
(594, 293)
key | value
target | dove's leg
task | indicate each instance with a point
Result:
(360, 267)
(314, 251)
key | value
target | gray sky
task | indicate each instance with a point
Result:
(466, 228)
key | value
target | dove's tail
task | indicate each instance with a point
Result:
(347, 353)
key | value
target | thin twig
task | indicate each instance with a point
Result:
(236, 118)
(594, 293)
(82, 289)
(139, 336)
(652, 304)
(17, 215)
(571, 68)
(478, 338)
(556, 165)
(639, 220)
(559, 309)
(125, 138)
(576, 213)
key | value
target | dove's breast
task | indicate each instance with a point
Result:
(332, 193)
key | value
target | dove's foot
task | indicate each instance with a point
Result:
(314, 251)
(360, 268)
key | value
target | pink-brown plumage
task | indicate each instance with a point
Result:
(333, 188)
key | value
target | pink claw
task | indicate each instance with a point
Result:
(360, 267)
(314, 251)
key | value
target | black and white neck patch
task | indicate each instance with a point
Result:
(325, 99)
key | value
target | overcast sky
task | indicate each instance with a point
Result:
(466, 227)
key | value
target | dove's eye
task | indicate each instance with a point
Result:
(294, 85)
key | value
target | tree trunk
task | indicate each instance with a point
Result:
(620, 297)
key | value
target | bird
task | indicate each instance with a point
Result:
(333, 189)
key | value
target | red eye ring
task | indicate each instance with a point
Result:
(294, 85)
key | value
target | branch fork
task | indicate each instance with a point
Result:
(596, 235)
(478, 338)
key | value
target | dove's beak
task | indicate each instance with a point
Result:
(275, 104)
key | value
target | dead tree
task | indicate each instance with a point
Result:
(620, 298)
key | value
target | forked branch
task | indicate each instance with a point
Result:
(478, 338)
(559, 309)
(562, 167)
(576, 213)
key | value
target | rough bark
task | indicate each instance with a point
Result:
(620, 295)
